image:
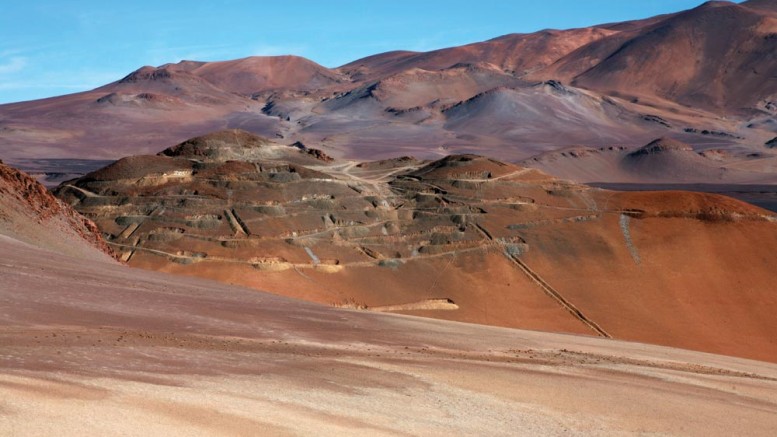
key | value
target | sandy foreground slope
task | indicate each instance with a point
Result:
(103, 349)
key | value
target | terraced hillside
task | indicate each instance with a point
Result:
(463, 238)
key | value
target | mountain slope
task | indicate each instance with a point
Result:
(257, 74)
(718, 56)
(662, 161)
(138, 352)
(761, 5)
(515, 53)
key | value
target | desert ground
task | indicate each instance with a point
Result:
(112, 350)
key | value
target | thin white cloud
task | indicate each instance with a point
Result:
(81, 81)
(14, 64)
(162, 55)
(7, 53)
(277, 50)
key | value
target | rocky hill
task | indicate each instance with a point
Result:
(464, 238)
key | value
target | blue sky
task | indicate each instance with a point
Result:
(54, 47)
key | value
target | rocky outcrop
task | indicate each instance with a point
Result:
(29, 211)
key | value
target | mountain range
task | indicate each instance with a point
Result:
(705, 76)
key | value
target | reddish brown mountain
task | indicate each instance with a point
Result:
(256, 74)
(703, 76)
(517, 53)
(718, 56)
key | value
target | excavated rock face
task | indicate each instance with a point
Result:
(28, 211)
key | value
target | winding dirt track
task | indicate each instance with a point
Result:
(100, 349)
